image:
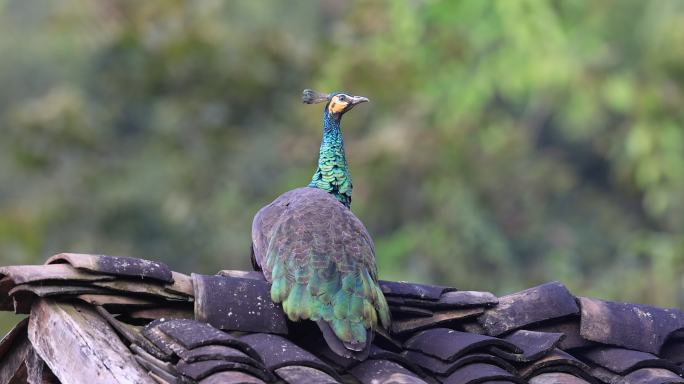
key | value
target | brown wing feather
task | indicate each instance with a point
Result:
(263, 223)
(316, 221)
(321, 261)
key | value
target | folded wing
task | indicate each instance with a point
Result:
(320, 260)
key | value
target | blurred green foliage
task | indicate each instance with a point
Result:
(507, 143)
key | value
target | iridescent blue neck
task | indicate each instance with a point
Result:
(332, 174)
(331, 122)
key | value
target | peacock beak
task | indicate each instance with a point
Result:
(358, 100)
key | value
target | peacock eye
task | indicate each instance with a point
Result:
(341, 97)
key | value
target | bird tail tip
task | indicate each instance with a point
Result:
(357, 351)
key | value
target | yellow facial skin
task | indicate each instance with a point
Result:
(337, 106)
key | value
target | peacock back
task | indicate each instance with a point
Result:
(320, 261)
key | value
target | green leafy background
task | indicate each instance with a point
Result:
(507, 143)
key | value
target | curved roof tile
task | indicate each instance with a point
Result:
(175, 329)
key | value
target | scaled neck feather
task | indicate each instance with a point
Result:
(332, 174)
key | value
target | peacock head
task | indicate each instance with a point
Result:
(337, 103)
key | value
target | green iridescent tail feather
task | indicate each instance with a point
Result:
(351, 302)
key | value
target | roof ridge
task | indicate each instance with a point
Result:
(176, 327)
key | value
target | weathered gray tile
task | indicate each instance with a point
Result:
(533, 305)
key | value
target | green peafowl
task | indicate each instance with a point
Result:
(317, 255)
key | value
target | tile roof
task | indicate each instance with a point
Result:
(128, 320)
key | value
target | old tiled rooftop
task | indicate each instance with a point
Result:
(122, 320)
